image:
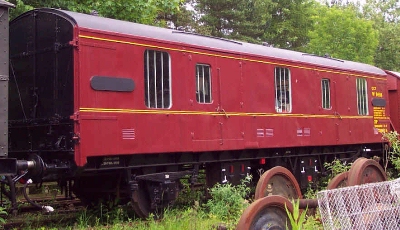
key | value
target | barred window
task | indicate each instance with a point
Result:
(157, 79)
(283, 96)
(203, 83)
(326, 93)
(362, 96)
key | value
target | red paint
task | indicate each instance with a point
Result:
(238, 87)
(393, 84)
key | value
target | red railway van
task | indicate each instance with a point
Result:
(93, 93)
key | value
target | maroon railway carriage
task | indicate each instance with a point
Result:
(125, 109)
(393, 84)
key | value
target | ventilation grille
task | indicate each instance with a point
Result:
(128, 134)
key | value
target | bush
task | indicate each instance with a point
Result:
(337, 166)
(394, 151)
(228, 202)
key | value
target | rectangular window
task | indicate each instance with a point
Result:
(362, 96)
(283, 95)
(203, 83)
(326, 93)
(157, 79)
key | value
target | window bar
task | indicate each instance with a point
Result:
(276, 91)
(323, 93)
(328, 94)
(279, 88)
(148, 77)
(362, 97)
(282, 88)
(289, 101)
(209, 85)
(365, 97)
(155, 78)
(162, 80)
(198, 82)
(204, 88)
(358, 96)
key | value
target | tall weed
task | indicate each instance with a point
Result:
(297, 218)
(228, 202)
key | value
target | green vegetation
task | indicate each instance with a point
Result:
(336, 167)
(155, 12)
(225, 207)
(228, 202)
(367, 33)
(2, 214)
(298, 217)
(328, 34)
(392, 156)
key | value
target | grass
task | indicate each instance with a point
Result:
(223, 209)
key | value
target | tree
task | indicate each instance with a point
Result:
(385, 15)
(387, 55)
(20, 8)
(280, 23)
(339, 32)
(155, 12)
(187, 19)
(236, 19)
(290, 23)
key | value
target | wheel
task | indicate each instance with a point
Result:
(278, 181)
(141, 202)
(267, 213)
(365, 171)
(152, 197)
(339, 181)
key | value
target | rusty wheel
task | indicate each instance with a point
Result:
(339, 181)
(141, 201)
(278, 181)
(365, 171)
(266, 213)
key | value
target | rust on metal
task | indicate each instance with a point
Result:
(308, 203)
(278, 181)
(339, 181)
(364, 171)
(266, 213)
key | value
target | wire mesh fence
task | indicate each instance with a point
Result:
(368, 206)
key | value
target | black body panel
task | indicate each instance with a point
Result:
(41, 87)
(41, 57)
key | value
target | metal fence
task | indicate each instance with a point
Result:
(367, 206)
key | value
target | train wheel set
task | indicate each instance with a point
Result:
(268, 211)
